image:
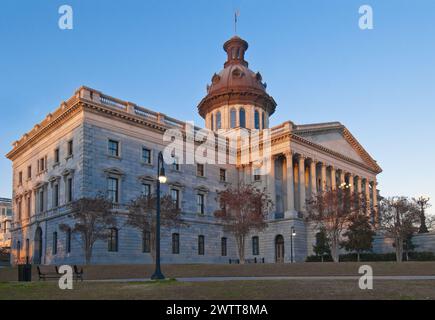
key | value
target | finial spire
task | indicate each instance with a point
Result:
(236, 15)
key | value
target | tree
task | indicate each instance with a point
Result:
(321, 248)
(243, 209)
(142, 216)
(408, 245)
(359, 235)
(422, 203)
(94, 218)
(398, 218)
(332, 211)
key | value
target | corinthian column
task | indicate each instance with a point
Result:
(301, 183)
(367, 195)
(375, 203)
(313, 177)
(290, 212)
(271, 180)
(333, 180)
(323, 179)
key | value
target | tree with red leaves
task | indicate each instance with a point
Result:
(142, 216)
(243, 209)
(332, 211)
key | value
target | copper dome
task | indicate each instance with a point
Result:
(236, 83)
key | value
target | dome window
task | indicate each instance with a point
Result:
(233, 118)
(242, 118)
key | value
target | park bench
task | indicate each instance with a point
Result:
(254, 260)
(48, 272)
(52, 272)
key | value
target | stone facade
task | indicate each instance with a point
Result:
(68, 156)
(5, 222)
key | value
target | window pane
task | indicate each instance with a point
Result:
(218, 120)
(257, 120)
(146, 155)
(201, 245)
(233, 118)
(112, 189)
(242, 118)
(146, 242)
(146, 189)
(224, 247)
(113, 148)
(175, 243)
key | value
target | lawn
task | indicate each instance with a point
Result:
(252, 289)
(247, 290)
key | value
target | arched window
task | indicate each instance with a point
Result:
(255, 246)
(68, 240)
(18, 250)
(212, 122)
(233, 118)
(224, 247)
(242, 118)
(218, 120)
(54, 243)
(175, 243)
(113, 240)
(262, 121)
(257, 119)
(201, 241)
(146, 242)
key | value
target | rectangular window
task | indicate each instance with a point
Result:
(70, 148)
(54, 243)
(175, 164)
(41, 201)
(175, 243)
(255, 246)
(201, 245)
(20, 178)
(56, 195)
(41, 164)
(146, 189)
(224, 247)
(68, 241)
(175, 194)
(113, 148)
(29, 206)
(113, 189)
(146, 155)
(20, 210)
(29, 172)
(200, 203)
(56, 156)
(69, 190)
(200, 170)
(113, 240)
(146, 242)
(257, 176)
(222, 175)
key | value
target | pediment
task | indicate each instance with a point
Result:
(337, 138)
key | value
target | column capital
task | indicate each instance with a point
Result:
(288, 154)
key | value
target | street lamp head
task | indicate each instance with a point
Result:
(162, 176)
(293, 232)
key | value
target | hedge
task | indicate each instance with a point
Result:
(348, 257)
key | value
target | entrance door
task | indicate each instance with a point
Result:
(37, 252)
(279, 249)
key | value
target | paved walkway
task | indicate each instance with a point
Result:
(287, 278)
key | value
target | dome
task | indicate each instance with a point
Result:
(236, 83)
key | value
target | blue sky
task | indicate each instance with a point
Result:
(319, 67)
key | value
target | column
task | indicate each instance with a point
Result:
(333, 180)
(375, 203)
(302, 182)
(367, 195)
(271, 180)
(313, 177)
(358, 185)
(290, 186)
(351, 186)
(342, 177)
(323, 178)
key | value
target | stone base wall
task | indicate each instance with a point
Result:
(422, 241)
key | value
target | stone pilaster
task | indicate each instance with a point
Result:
(313, 177)
(301, 182)
(290, 210)
(323, 178)
(333, 179)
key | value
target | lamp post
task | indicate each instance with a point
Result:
(292, 234)
(161, 178)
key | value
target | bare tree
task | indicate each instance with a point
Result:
(332, 212)
(142, 216)
(399, 217)
(243, 209)
(94, 218)
(423, 203)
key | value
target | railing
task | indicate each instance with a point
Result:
(113, 102)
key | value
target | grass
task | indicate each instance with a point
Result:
(247, 290)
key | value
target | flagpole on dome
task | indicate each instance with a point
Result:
(236, 15)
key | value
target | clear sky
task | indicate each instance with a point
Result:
(318, 64)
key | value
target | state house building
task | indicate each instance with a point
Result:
(95, 143)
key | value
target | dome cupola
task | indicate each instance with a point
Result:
(237, 96)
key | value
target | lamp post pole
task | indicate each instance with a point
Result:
(292, 234)
(158, 275)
